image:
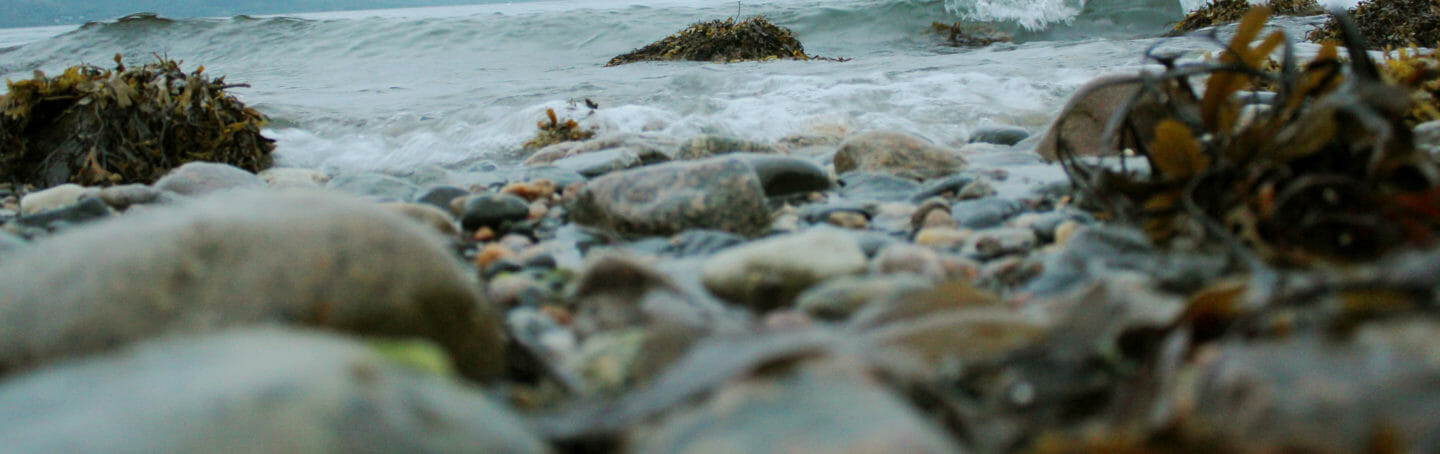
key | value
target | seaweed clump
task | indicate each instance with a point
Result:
(1327, 172)
(961, 35)
(1227, 11)
(1389, 24)
(722, 41)
(556, 131)
(96, 126)
(1413, 68)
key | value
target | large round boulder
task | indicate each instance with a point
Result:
(722, 193)
(238, 259)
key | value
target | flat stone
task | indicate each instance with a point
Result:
(999, 136)
(294, 177)
(51, 198)
(598, 163)
(376, 185)
(898, 153)
(838, 298)
(651, 148)
(1081, 123)
(199, 178)
(985, 213)
(707, 145)
(722, 193)
(440, 196)
(769, 273)
(434, 217)
(311, 259)
(808, 411)
(124, 196)
(877, 186)
(261, 390)
(88, 210)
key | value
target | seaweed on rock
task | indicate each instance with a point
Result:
(95, 126)
(1327, 172)
(556, 131)
(978, 35)
(1389, 24)
(1227, 11)
(722, 41)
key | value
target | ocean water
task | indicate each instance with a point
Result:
(396, 89)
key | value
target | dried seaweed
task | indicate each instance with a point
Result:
(96, 126)
(1389, 24)
(1327, 172)
(555, 131)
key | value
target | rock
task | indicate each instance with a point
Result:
(199, 178)
(769, 273)
(375, 185)
(784, 175)
(700, 242)
(909, 258)
(852, 220)
(496, 211)
(996, 242)
(944, 238)
(51, 199)
(294, 178)
(261, 390)
(436, 218)
(124, 196)
(811, 410)
(650, 148)
(1081, 123)
(752, 39)
(985, 213)
(1045, 225)
(617, 292)
(901, 154)
(838, 298)
(873, 186)
(1427, 137)
(999, 136)
(707, 145)
(241, 259)
(598, 163)
(440, 196)
(89, 209)
(721, 193)
(945, 187)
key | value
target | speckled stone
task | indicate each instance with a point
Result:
(722, 193)
(897, 153)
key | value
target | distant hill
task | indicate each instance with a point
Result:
(32, 13)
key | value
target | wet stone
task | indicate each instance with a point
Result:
(812, 410)
(440, 196)
(700, 242)
(996, 242)
(985, 213)
(435, 218)
(1046, 224)
(376, 185)
(873, 186)
(901, 154)
(242, 259)
(598, 163)
(816, 214)
(721, 193)
(784, 175)
(769, 273)
(909, 259)
(51, 198)
(197, 178)
(946, 187)
(496, 211)
(650, 148)
(87, 210)
(836, 299)
(999, 136)
(707, 145)
(264, 390)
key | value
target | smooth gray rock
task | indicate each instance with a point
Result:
(876, 186)
(251, 391)
(440, 196)
(598, 163)
(784, 175)
(199, 178)
(53, 198)
(707, 145)
(898, 153)
(721, 193)
(124, 196)
(769, 273)
(294, 178)
(999, 136)
(379, 186)
(493, 210)
(237, 259)
(1081, 123)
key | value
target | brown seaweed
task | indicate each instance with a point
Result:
(1228, 11)
(95, 126)
(722, 41)
(1389, 24)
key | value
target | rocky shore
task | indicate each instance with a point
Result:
(871, 292)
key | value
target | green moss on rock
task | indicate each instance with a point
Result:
(722, 41)
(1390, 24)
(95, 126)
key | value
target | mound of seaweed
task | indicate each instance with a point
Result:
(722, 41)
(960, 34)
(1416, 68)
(1327, 173)
(1389, 24)
(1228, 11)
(556, 131)
(95, 126)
